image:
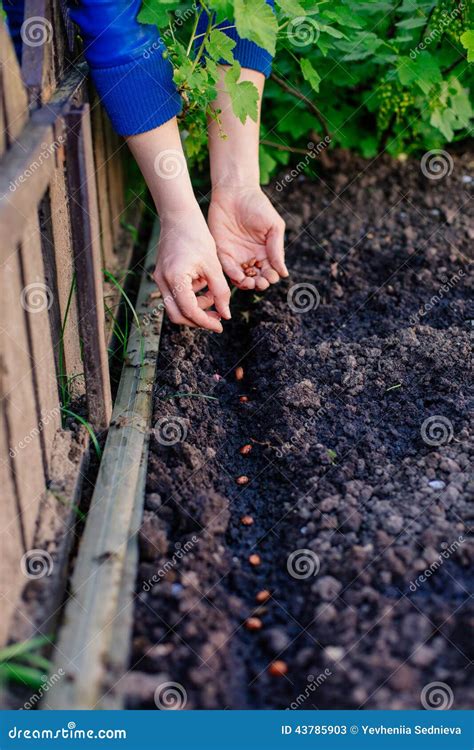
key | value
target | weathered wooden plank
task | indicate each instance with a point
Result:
(11, 542)
(56, 530)
(101, 168)
(37, 59)
(97, 611)
(59, 275)
(18, 395)
(114, 146)
(26, 168)
(14, 97)
(86, 242)
(38, 297)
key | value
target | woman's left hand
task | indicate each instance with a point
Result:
(245, 226)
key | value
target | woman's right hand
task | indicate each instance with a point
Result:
(187, 264)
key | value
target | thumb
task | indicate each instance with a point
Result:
(275, 247)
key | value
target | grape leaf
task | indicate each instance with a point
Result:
(244, 94)
(219, 46)
(467, 41)
(310, 74)
(256, 21)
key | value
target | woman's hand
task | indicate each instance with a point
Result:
(245, 225)
(187, 264)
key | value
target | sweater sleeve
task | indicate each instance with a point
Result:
(133, 79)
(247, 53)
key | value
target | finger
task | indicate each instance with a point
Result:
(270, 274)
(199, 284)
(233, 270)
(205, 301)
(188, 305)
(171, 307)
(275, 246)
(261, 283)
(219, 288)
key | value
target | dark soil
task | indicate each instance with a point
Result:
(338, 396)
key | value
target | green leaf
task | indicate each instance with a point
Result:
(291, 8)
(467, 41)
(244, 94)
(310, 74)
(156, 13)
(256, 21)
(423, 71)
(219, 46)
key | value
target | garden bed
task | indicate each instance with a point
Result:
(343, 464)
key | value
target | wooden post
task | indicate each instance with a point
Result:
(84, 215)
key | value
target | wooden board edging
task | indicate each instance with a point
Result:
(92, 647)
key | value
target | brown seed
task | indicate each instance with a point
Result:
(251, 272)
(252, 262)
(239, 373)
(246, 520)
(242, 480)
(245, 450)
(244, 399)
(253, 623)
(258, 264)
(245, 266)
(278, 668)
(263, 596)
(255, 559)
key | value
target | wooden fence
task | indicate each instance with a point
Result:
(61, 202)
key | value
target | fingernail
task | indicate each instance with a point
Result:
(227, 313)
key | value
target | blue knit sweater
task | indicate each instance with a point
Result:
(133, 79)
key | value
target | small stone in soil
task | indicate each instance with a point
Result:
(242, 480)
(246, 520)
(436, 484)
(278, 668)
(239, 373)
(263, 596)
(255, 559)
(244, 399)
